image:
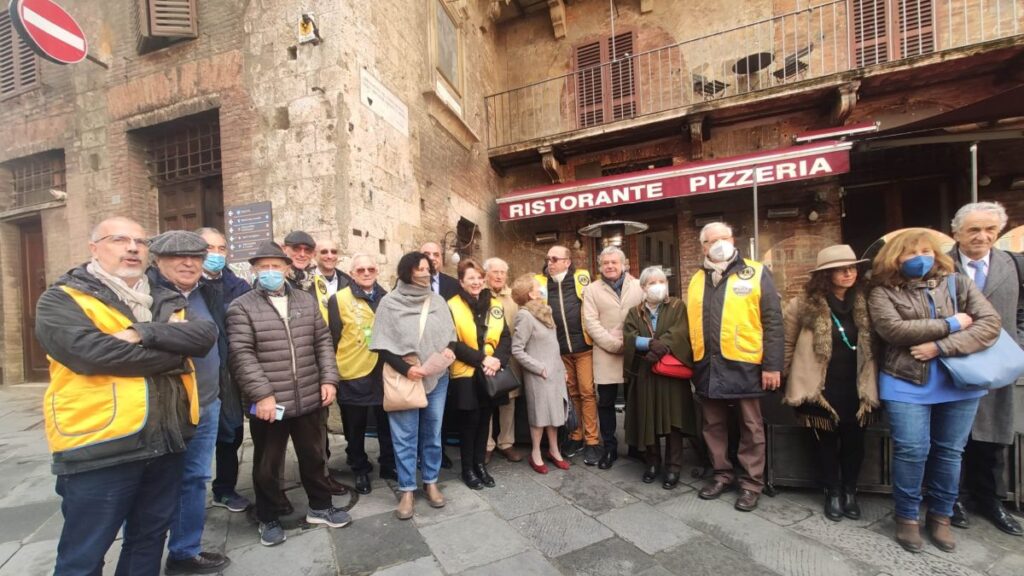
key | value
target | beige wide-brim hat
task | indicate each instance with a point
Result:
(838, 256)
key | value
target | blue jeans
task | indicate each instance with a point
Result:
(137, 495)
(190, 514)
(928, 441)
(417, 433)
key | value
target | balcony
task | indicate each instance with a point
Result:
(777, 55)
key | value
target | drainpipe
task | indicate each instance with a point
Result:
(757, 236)
(974, 171)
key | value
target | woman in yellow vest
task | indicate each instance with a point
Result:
(483, 348)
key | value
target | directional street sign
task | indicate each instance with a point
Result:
(49, 30)
(248, 226)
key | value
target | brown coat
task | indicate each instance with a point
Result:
(902, 318)
(604, 312)
(808, 324)
(270, 358)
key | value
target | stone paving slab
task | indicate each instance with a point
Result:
(519, 495)
(473, 540)
(560, 530)
(591, 493)
(460, 501)
(706, 555)
(377, 542)
(529, 563)
(611, 557)
(1009, 565)
(21, 522)
(34, 558)
(647, 528)
(426, 566)
(307, 553)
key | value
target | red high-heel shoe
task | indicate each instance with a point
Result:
(560, 464)
(538, 468)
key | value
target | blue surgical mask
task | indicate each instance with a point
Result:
(214, 262)
(918, 266)
(271, 280)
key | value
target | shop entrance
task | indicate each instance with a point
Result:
(659, 246)
(33, 284)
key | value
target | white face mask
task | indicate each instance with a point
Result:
(543, 293)
(721, 251)
(656, 293)
(559, 277)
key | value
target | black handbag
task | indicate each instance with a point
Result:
(500, 384)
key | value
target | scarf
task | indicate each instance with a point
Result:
(717, 269)
(615, 285)
(396, 326)
(541, 311)
(137, 299)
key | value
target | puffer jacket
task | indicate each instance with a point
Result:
(902, 318)
(286, 360)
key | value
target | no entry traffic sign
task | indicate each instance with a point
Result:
(49, 30)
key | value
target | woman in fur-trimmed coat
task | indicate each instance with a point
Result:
(832, 377)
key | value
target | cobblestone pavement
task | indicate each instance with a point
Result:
(581, 521)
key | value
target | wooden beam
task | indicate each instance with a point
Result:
(550, 164)
(845, 102)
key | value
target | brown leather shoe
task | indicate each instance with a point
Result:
(511, 454)
(908, 534)
(713, 491)
(487, 456)
(747, 500)
(406, 506)
(434, 496)
(337, 488)
(940, 533)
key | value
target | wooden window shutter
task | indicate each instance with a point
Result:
(18, 64)
(870, 32)
(623, 76)
(589, 85)
(916, 30)
(167, 18)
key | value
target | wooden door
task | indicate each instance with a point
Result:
(33, 284)
(181, 206)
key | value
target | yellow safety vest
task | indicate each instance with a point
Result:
(355, 359)
(741, 337)
(320, 293)
(82, 410)
(465, 331)
(581, 279)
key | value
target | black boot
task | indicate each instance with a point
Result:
(851, 508)
(833, 506)
(472, 480)
(484, 475)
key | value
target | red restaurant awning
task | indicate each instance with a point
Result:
(781, 165)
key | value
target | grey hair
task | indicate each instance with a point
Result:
(609, 250)
(990, 207)
(357, 256)
(493, 261)
(211, 230)
(712, 225)
(650, 273)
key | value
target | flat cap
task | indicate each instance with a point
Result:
(296, 237)
(269, 249)
(178, 243)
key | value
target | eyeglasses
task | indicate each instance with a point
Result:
(122, 240)
(554, 259)
(365, 270)
(328, 251)
(302, 248)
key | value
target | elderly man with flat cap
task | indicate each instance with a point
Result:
(282, 358)
(178, 266)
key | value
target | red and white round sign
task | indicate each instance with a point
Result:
(49, 30)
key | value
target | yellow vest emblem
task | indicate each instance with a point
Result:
(465, 330)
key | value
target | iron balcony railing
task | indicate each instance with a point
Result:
(811, 43)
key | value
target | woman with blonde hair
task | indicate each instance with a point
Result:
(535, 347)
(913, 313)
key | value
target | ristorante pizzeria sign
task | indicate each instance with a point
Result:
(786, 165)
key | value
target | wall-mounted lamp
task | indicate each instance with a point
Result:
(549, 237)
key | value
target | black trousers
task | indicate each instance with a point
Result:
(354, 420)
(474, 425)
(983, 467)
(227, 464)
(840, 454)
(606, 396)
(270, 444)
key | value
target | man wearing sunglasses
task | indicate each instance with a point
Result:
(122, 401)
(562, 286)
(350, 316)
(327, 269)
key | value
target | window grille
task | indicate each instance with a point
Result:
(184, 152)
(33, 178)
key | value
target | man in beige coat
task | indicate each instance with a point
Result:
(605, 306)
(496, 271)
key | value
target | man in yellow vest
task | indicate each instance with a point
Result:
(738, 344)
(350, 315)
(564, 286)
(122, 401)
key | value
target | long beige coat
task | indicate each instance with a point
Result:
(604, 313)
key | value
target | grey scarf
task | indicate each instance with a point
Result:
(396, 327)
(717, 269)
(137, 298)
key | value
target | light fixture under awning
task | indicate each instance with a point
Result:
(781, 165)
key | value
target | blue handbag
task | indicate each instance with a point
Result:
(994, 367)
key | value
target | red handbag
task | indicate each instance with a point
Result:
(671, 367)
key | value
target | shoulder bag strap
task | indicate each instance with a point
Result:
(423, 315)
(951, 284)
